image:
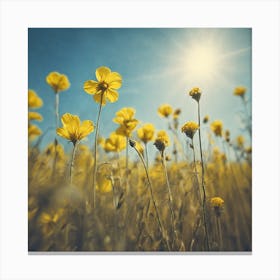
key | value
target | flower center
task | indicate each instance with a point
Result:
(102, 86)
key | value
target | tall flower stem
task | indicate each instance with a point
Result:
(126, 163)
(170, 198)
(71, 171)
(153, 198)
(196, 176)
(146, 155)
(93, 198)
(56, 109)
(56, 105)
(219, 231)
(202, 180)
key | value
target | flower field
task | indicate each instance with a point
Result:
(185, 188)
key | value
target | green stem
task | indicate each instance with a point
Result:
(95, 154)
(202, 181)
(75, 145)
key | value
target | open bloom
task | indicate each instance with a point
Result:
(239, 91)
(217, 127)
(73, 129)
(34, 101)
(190, 128)
(195, 93)
(125, 117)
(162, 140)
(165, 110)
(115, 143)
(146, 132)
(104, 89)
(58, 82)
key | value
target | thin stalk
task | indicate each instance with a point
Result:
(202, 181)
(56, 105)
(126, 163)
(153, 199)
(170, 198)
(71, 171)
(56, 109)
(95, 154)
(146, 155)
(196, 175)
(219, 230)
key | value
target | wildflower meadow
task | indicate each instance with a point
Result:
(139, 145)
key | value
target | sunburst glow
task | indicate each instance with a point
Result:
(202, 63)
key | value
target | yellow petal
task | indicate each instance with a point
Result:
(111, 95)
(53, 78)
(97, 98)
(90, 87)
(63, 133)
(70, 120)
(57, 81)
(34, 101)
(101, 73)
(33, 131)
(114, 80)
(34, 116)
(86, 128)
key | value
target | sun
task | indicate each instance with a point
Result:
(202, 63)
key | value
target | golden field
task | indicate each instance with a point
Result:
(196, 197)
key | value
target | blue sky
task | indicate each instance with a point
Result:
(157, 65)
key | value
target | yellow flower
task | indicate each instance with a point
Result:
(34, 101)
(217, 127)
(146, 132)
(162, 140)
(165, 110)
(190, 128)
(240, 141)
(104, 184)
(195, 93)
(125, 117)
(33, 131)
(115, 143)
(217, 202)
(239, 91)
(105, 87)
(57, 81)
(176, 113)
(34, 116)
(73, 129)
